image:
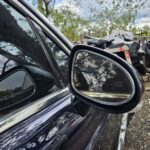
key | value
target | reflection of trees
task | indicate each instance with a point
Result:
(13, 33)
(9, 61)
(100, 74)
(60, 56)
(95, 69)
(20, 49)
(11, 94)
(61, 59)
(5, 64)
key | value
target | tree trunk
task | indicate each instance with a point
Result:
(40, 6)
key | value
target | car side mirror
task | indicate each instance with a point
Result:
(104, 80)
(15, 87)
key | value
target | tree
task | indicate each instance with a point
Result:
(44, 6)
(119, 15)
(63, 18)
(16, 36)
(71, 24)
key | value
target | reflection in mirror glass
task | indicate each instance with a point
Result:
(14, 88)
(101, 79)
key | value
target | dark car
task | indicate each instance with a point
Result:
(54, 95)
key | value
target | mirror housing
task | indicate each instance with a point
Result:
(89, 73)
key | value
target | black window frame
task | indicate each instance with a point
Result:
(49, 52)
(58, 77)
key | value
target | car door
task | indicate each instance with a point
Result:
(34, 104)
(37, 110)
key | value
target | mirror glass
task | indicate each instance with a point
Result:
(14, 88)
(101, 79)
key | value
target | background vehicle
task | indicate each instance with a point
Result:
(37, 109)
(119, 41)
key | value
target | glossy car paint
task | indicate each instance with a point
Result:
(59, 125)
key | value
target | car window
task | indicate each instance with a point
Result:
(25, 73)
(59, 55)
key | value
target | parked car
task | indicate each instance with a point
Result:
(54, 95)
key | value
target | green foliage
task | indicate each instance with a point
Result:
(40, 6)
(147, 29)
(119, 15)
(113, 14)
(71, 24)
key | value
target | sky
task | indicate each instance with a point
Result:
(142, 18)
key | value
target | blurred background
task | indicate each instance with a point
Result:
(98, 18)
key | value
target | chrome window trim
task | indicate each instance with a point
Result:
(51, 34)
(21, 114)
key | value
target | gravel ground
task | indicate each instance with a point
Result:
(138, 131)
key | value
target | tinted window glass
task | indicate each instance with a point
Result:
(60, 56)
(20, 50)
